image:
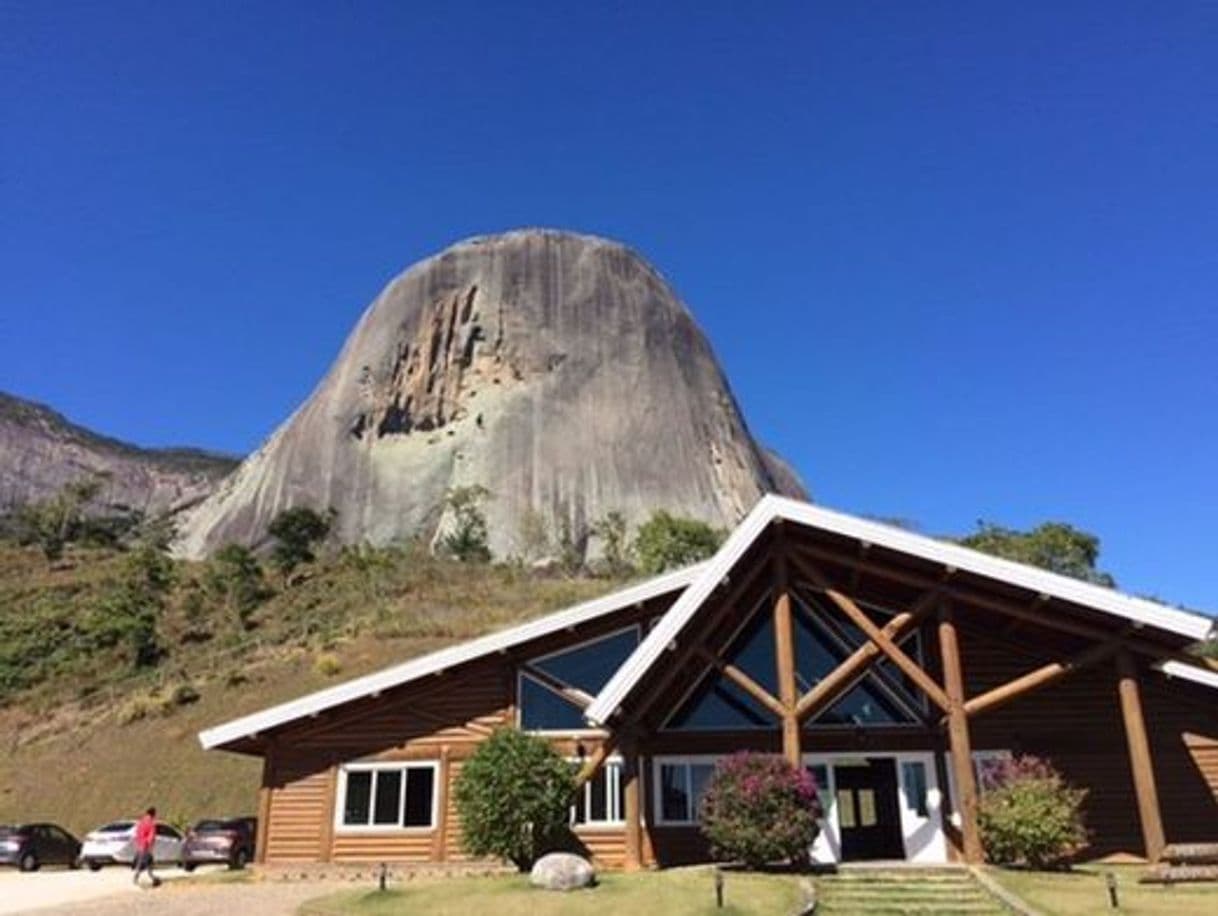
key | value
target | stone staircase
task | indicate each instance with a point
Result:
(904, 890)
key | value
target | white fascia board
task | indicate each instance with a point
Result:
(1194, 673)
(444, 659)
(1139, 611)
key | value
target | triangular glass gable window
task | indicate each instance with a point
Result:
(816, 655)
(717, 703)
(587, 668)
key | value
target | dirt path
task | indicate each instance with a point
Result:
(264, 898)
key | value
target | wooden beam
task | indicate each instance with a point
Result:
(1140, 760)
(742, 680)
(959, 740)
(1041, 677)
(598, 757)
(1027, 613)
(439, 839)
(571, 694)
(262, 830)
(784, 647)
(908, 666)
(856, 665)
(325, 839)
(632, 811)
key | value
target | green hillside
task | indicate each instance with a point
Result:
(94, 729)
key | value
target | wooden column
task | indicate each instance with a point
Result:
(1139, 757)
(439, 839)
(632, 809)
(326, 838)
(958, 736)
(784, 645)
(262, 831)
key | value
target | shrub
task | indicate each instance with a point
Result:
(327, 664)
(296, 532)
(758, 809)
(1029, 814)
(233, 578)
(667, 541)
(514, 797)
(466, 539)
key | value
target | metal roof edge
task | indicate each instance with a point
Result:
(397, 675)
(1192, 673)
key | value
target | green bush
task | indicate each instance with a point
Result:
(296, 532)
(759, 809)
(667, 541)
(467, 537)
(514, 798)
(1029, 814)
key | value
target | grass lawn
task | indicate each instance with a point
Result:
(677, 892)
(1083, 892)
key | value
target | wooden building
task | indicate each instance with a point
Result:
(896, 667)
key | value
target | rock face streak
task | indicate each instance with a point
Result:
(557, 370)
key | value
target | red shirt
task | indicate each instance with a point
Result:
(145, 832)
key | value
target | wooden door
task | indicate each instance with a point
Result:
(868, 810)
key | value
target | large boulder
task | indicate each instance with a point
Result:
(562, 871)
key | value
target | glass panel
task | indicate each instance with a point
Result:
(845, 807)
(753, 652)
(420, 784)
(598, 801)
(820, 775)
(913, 775)
(866, 798)
(864, 705)
(615, 805)
(720, 704)
(674, 794)
(815, 654)
(590, 667)
(541, 709)
(359, 797)
(387, 801)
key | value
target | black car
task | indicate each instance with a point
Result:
(30, 846)
(229, 841)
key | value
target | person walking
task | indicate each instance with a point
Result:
(145, 840)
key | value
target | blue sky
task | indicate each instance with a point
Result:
(957, 259)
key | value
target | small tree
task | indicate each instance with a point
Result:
(759, 809)
(667, 541)
(54, 522)
(296, 532)
(1029, 814)
(615, 548)
(127, 616)
(514, 798)
(467, 538)
(233, 577)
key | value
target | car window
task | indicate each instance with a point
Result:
(167, 831)
(210, 826)
(116, 827)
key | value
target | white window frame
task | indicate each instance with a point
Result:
(340, 796)
(613, 797)
(685, 760)
(521, 674)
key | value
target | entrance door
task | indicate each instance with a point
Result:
(867, 810)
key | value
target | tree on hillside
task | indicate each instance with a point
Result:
(610, 529)
(296, 533)
(233, 577)
(466, 539)
(53, 523)
(128, 614)
(667, 541)
(1055, 546)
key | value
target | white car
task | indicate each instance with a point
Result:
(115, 843)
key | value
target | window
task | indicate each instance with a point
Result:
(388, 796)
(913, 778)
(717, 702)
(600, 801)
(820, 775)
(586, 668)
(682, 785)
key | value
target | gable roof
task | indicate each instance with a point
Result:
(396, 676)
(771, 508)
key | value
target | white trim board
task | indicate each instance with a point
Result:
(436, 662)
(1189, 673)
(769, 509)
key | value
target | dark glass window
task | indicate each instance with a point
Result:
(600, 800)
(388, 806)
(590, 667)
(865, 704)
(358, 800)
(913, 774)
(674, 792)
(753, 650)
(816, 655)
(541, 709)
(420, 790)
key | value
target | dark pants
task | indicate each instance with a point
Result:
(143, 862)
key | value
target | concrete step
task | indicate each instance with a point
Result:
(911, 892)
(909, 909)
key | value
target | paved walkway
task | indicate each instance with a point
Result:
(58, 887)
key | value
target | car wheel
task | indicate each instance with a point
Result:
(240, 860)
(29, 862)
(188, 866)
(94, 865)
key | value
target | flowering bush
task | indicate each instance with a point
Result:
(758, 809)
(1029, 814)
